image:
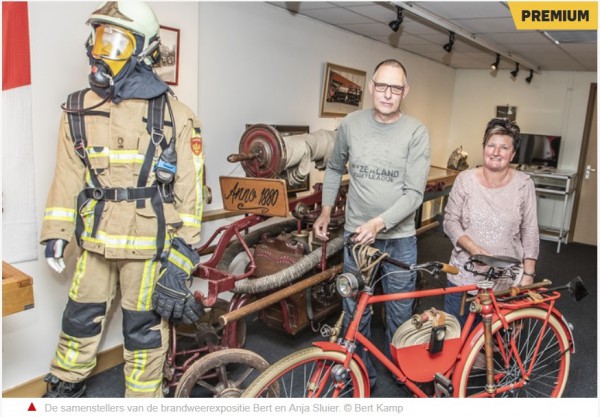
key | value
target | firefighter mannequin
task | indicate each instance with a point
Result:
(128, 188)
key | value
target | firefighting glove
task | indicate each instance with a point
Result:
(172, 299)
(55, 249)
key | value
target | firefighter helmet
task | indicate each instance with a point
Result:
(136, 17)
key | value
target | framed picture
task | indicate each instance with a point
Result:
(168, 66)
(343, 90)
(507, 112)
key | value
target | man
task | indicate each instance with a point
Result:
(128, 186)
(388, 158)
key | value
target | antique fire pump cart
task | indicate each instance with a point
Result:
(287, 278)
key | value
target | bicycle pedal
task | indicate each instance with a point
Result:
(443, 386)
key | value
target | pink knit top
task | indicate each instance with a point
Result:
(501, 220)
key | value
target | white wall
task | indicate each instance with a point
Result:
(250, 63)
(260, 64)
(554, 103)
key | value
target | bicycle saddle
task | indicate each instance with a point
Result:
(503, 262)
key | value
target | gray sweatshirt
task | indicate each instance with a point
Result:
(388, 166)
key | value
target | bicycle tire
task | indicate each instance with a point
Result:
(548, 377)
(282, 378)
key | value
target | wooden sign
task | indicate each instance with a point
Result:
(267, 197)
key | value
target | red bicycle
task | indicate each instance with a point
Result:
(515, 343)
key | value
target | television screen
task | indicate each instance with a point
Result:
(538, 150)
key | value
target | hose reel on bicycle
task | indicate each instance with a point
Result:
(427, 344)
(422, 329)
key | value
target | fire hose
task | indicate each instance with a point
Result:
(289, 274)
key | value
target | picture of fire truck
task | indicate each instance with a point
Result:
(167, 56)
(342, 90)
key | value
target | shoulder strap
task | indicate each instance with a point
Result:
(154, 126)
(78, 133)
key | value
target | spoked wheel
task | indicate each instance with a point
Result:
(309, 373)
(204, 330)
(222, 374)
(531, 358)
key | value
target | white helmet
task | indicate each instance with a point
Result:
(133, 16)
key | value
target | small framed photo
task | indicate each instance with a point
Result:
(168, 65)
(507, 112)
(343, 90)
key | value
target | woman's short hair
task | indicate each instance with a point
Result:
(502, 126)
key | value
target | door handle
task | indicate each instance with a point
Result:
(588, 170)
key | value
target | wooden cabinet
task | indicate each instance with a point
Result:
(17, 290)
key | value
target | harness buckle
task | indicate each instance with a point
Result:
(98, 194)
(156, 136)
(80, 149)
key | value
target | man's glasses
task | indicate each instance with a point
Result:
(382, 88)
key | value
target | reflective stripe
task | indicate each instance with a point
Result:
(93, 152)
(181, 261)
(132, 381)
(144, 302)
(126, 157)
(59, 213)
(79, 273)
(116, 156)
(68, 361)
(199, 203)
(120, 242)
(191, 220)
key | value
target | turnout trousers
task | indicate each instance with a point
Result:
(94, 287)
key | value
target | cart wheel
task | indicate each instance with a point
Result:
(222, 374)
(199, 329)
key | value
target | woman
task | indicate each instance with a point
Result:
(491, 210)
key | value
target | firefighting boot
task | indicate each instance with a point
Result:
(57, 388)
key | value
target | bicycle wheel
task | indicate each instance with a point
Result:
(308, 373)
(531, 358)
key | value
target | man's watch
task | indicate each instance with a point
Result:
(529, 274)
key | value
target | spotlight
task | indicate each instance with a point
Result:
(528, 79)
(395, 24)
(450, 44)
(496, 64)
(515, 71)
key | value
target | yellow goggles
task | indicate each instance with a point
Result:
(111, 42)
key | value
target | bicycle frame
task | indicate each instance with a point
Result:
(492, 308)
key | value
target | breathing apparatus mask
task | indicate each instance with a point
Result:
(110, 51)
(124, 42)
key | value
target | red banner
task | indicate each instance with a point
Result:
(16, 65)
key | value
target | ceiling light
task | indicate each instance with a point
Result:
(450, 44)
(515, 71)
(495, 65)
(528, 79)
(395, 24)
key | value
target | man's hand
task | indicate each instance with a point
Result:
(365, 234)
(172, 299)
(322, 223)
(55, 249)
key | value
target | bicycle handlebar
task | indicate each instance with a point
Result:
(433, 267)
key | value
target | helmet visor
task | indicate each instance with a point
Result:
(111, 42)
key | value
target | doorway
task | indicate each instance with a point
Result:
(584, 223)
